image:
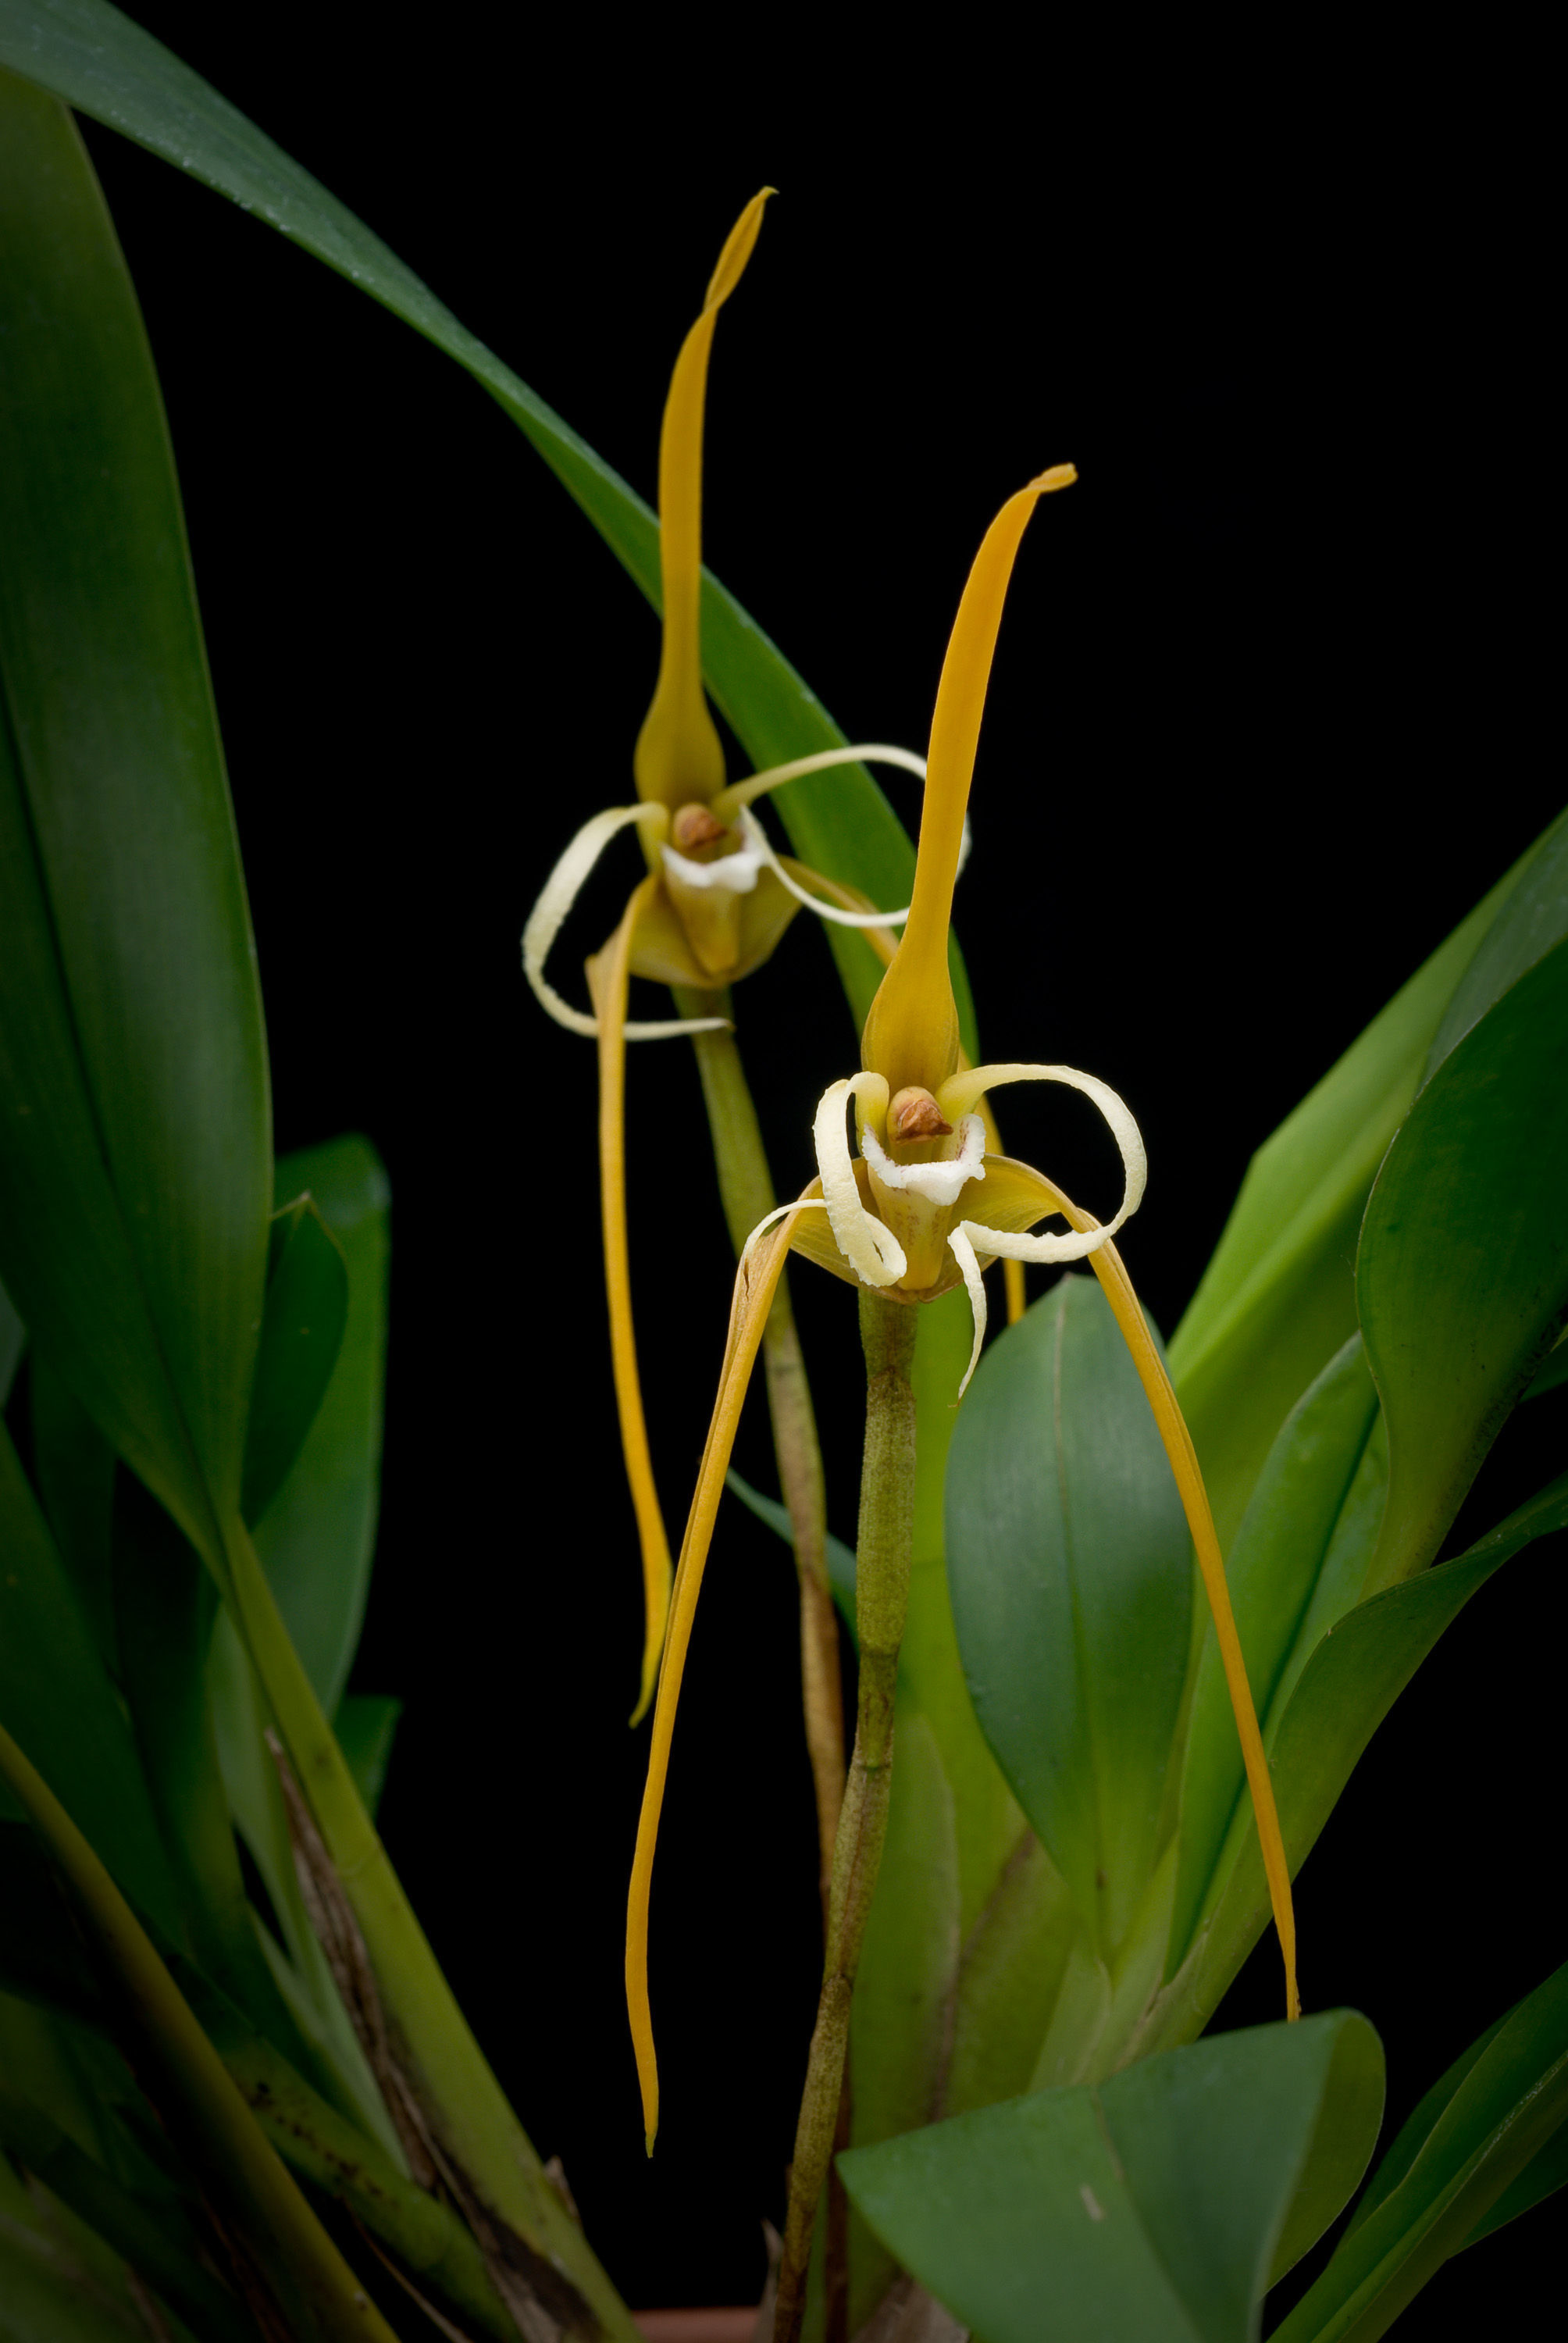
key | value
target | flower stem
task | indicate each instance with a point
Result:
(746, 1190)
(882, 1599)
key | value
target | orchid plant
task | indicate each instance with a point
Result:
(1125, 1616)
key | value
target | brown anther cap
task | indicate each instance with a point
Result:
(693, 827)
(915, 1114)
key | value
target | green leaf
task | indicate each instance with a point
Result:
(1461, 1277)
(1290, 1541)
(317, 1537)
(1012, 1972)
(1476, 2133)
(58, 1702)
(1352, 1680)
(99, 62)
(840, 1558)
(1553, 1372)
(13, 1343)
(1071, 1574)
(74, 1467)
(1532, 919)
(302, 1326)
(1546, 2172)
(366, 1726)
(901, 2011)
(1277, 1299)
(134, 1182)
(1151, 2209)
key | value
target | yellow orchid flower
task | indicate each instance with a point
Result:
(926, 1205)
(717, 897)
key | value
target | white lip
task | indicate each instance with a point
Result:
(939, 1183)
(732, 874)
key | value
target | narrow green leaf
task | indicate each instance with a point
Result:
(74, 1467)
(302, 1325)
(1011, 1975)
(1475, 2133)
(1352, 1679)
(93, 56)
(1553, 1372)
(134, 1182)
(1150, 2209)
(1461, 1277)
(1277, 1562)
(840, 1558)
(42, 1956)
(13, 1343)
(899, 2019)
(1546, 2172)
(58, 1702)
(1277, 1299)
(317, 1537)
(1071, 1573)
(366, 1726)
(1532, 919)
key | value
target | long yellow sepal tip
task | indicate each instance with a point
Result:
(756, 1281)
(678, 756)
(608, 977)
(912, 1034)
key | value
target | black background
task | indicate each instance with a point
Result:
(1264, 725)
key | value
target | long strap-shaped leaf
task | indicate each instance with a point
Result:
(93, 56)
(136, 1178)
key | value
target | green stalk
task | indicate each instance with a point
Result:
(483, 2146)
(882, 1599)
(745, 1191)
(236, 2162)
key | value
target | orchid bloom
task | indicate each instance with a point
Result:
(717, 897)
(925, 1206)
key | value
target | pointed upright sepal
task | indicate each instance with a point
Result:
(911, 1035)
(678, 759)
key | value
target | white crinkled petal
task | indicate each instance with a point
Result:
(756, 838)
(559, 893)
(875, 752)
(939, 1183)
(963, 1252)
(872, 1251)
(779, 1212)
(961, 1090)
(732, 874)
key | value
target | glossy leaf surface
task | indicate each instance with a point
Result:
(1294, 1535)
(1151, 2209)
(1071, 1574)
(1471, 2136)
(136, 1176)
(97, 59)
(1462, 1276)
(317, 1537)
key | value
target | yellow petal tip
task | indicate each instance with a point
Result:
(649, 2139)
(737, 252)
(1059, 476)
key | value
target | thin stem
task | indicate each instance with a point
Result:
(882, 1599)
(746, 1190)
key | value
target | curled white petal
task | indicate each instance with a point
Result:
(872, 1251)
(732, 874)
(559, 893)
(875, 752)
(938, 1182)
(779, 1212)
(757, 839)
(961, 1090)
(963, 1252)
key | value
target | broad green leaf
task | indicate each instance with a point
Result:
(318, 1536)
(366, 1725)
(899, 2019)
(1532, 919)
(840, 1558)
(302, 1325)
(1462, 1276)
(1011, 1971)
(74, 1468)
(1151, 2209)
(1071, 1573)
(58, 1702)
(1352, 1680)
(1474, 2134)
(1278, 1299)
(1288, 1539)
(134, 1186)
(93, 57)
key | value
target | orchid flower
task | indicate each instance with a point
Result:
(924, 1205)
(717, 897)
